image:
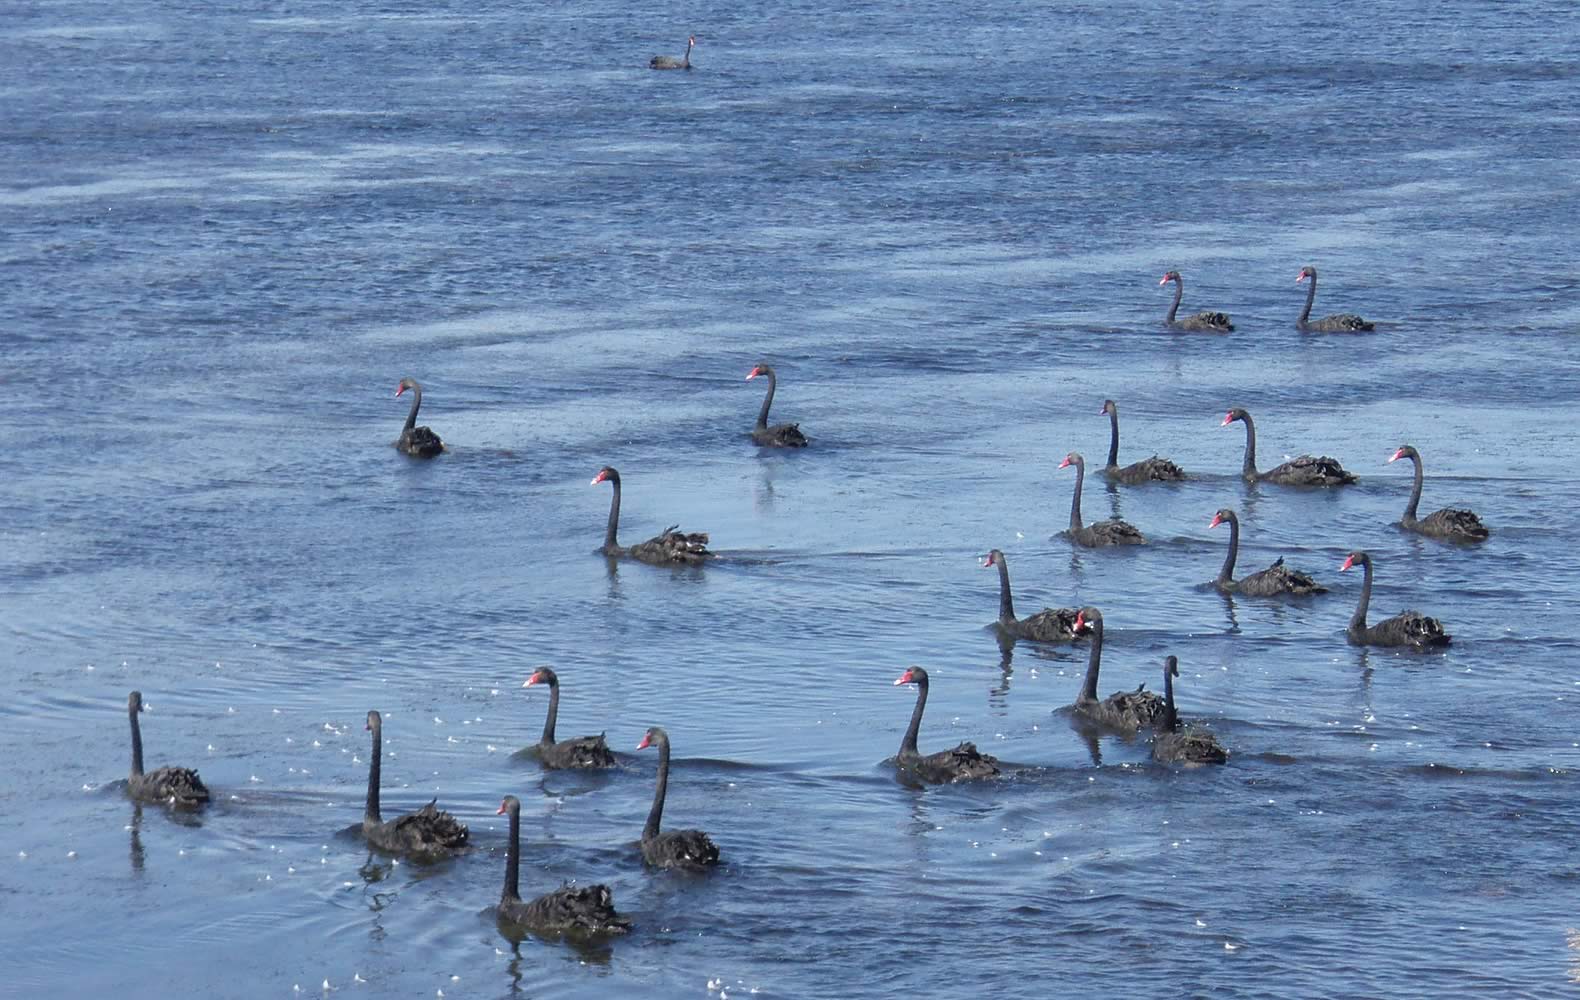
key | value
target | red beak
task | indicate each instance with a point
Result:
(1065, 462)
(1348, 562)
(1163, 280)
(1397, 455)
(646, 742)
(501, 810)
(1301, 278)
(988, 562)
(534, 679)
(597, 479)
(1080, 621)
(1216, 520)
(399, 389)
(904, 678)
(755, 372)
(1227, 420)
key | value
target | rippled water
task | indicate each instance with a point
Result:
(228, 233)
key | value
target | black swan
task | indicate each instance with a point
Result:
(1147, 470)
(1336, 323)
(670, 62)
(583, 751)
(176, 786)
(1302, 471)
(1099, 533)
(963, 763)
(1174, 745)
(1123, 710)
(1047, 625)
(1275, 579)
(670, 548)
(429, 830)
(1408, 628)
(779, 435)
(691, 849)
(1450, 523)
(420, 442)
(575, 909)
(1211, 322)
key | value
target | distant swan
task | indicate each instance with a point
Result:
(779, 435)
(1147, 470)
(1302, 471)
(670, 62)
(1125, 711)
(1411, 629)
(1336, 323)
(1450, 523)
(176, 786)
(429, 830)
(1190, 745)
(1047, 625)
(1099, 533)
(419, 442)
(670, 548)
(961, 763)
(1207, 322)
(1275, 579)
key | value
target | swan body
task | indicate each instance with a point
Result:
(1408, 629)
(428, 831)
(1099, 533)
(1126, 711)
(779, 435)
(670, 62)
(1204, 322)
(1336, 323)
(1450, 524)
(1148, 470)
(1302, 471)
(1273, 581)
(580, 752)
(670, 548)
(962, 762)
(418, 442)
(570, 909)
(1047, 625)
(1186, 745)
(685, 849)
(174, 786)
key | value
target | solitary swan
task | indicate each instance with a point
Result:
(1125, 711)
(688, 849)
(427, 831)
(1154, 469)
(962, 763)
(1450, 523)
(1208, 322)
(419, 442)
(1047, 625)
(668, 549)
(1275, 579)
(176, 786)
(1302, 471)
(1336, 323)
(582, 751)
(670, 62)
(779, 435)
(575, 909)
(1174, 745)
(1410, 629)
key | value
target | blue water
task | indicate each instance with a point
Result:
(227, 232)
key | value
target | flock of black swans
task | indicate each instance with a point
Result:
(589, 909)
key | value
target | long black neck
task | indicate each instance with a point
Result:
(908, 744)
(1075, 504)
(1227, 573)
(416, 401)
(1415, 491)
(372, 810)
(512, 890)
(554, 713)
(1094, 661)
(137, 744)
(1311, 296)
(687, 63)
(1248, 468)
(1171, 721)
(1113, 438)
(614, 513)
(1358, 619)
(650, 830)
(773, 382)
(1179, 292)
(1006, 606)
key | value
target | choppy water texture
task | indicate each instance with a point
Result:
(230, 230)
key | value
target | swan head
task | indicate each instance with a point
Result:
(509, 804)
(1306, 272)
(407, 383)
(759, 370)
(912, 675)
(1405, 451)
(1222, 516)
(1171, 665)
(993, 559)
(606, 474)
(1108, 408)
(375, 721)
(1355, 559)
(542, 675)
(1073, 458)
(1171, 276)
(653, 737)
(1088, 620)
(1233, 415)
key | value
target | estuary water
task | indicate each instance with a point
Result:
(230, 229)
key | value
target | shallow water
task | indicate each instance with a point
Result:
(229, 234)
